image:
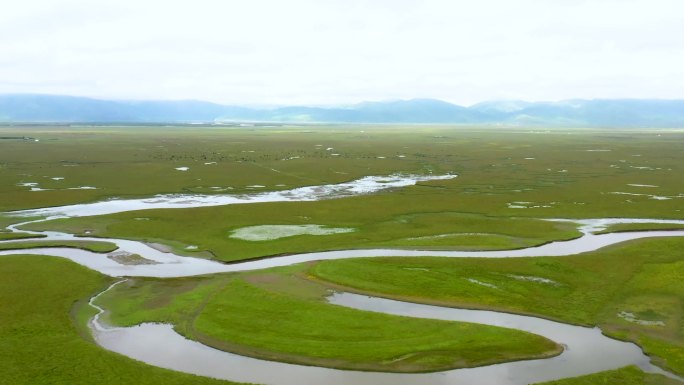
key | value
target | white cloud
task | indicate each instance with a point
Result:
(343, 51)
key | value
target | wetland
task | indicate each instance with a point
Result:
(428, 230)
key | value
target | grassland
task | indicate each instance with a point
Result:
(280, 315)
(622, 227)
(378, 220)
(574, 174)
(632, 291)
(508, 179)
(566, 172)
(51, 346)
(14, 236)
(629, 375)
(94, 246)
(41, 343)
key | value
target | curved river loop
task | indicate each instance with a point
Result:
(586, 350)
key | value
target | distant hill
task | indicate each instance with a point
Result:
(578, 113)
(601, 112)
(53, 108)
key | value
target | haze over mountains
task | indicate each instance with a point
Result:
(21, 108)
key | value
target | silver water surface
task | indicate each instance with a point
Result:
(171, 265)
(365, 185)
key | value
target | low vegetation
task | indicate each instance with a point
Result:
(507, 180)
(13, 236)
(623, 227)
(41, 343)
(632, 291)
(94, 246)
(561, 173)
(279, 315)
(384, 221)
(503, 178)
(629, 375)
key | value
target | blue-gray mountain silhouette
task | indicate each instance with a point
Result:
(568, 113)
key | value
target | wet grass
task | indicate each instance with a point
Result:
(492, 164)
(13, 236)
(279, 315)
(142, 161)
(481, 209)
(41, 343)
(630, 375)
(622, 227)
(386, 220)
(640, 277)
(478, 210)
(94, 246)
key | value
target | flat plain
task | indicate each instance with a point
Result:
(509, 181)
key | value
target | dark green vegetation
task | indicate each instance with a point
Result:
(629, 375)
(621, 227)
(95, 246)
(11, 236)
(42, 329)
(642, 278)
(278, 314)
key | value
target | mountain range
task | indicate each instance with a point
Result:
(32, 108)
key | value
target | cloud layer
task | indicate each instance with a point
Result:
(344, 51)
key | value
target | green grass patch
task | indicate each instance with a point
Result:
(40, 342)
(11, 236)
(504, 176)
(563, 180)
(629, 375)
(340, 337)
(94, 246)
(393, 220)
(507, 179)
(643, 278)
(623, 227)
(279, 315)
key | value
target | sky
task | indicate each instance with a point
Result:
(332, 52)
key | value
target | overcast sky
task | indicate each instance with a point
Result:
(343, 51)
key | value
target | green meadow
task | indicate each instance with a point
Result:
(633, 291)
(506, 181)
(509, 181)
(630, 375)
(621, 227)
(279, 314)
(575, 172)
(13, 236)
(42, 329)
(382, 220)
(95, 246)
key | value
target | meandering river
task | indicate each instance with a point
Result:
(586, 349)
